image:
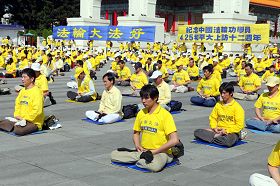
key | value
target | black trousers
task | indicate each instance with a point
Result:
(72, 95)
(225, 140)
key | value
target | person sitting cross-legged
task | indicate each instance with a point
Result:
(267, 108)
(138, 79)
(249, 85)
(29, 113)
(154, 134)
(180, 80)
(123, 74)
(207, 88)
(110, 108)
(86, 90)
(226, 120)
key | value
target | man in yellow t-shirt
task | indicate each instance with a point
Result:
(123, 74)
(111, 103)
(267, 109)
(273, 165)
(226, 120)
(154, 134)
(207, 89)
(249, 85)
(268, 73)
(29, 114)
(193, 70)
(161, 67)
(180, 80)
(138, 79)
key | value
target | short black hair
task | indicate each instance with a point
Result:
(149, 91)
(209, 68)
(249, 65)
(110, 76)
(121, 61)
(226, 86)
(30, 73)
(119, 57)
(80, 62)
(159, 62)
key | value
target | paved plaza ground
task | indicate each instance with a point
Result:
(78, 154)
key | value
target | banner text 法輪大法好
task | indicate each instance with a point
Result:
(105, 33)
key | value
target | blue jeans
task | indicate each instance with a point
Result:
(198, 100)
(260, 125)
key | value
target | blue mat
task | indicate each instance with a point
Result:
(259, 131)
(175, 112)
(135, 167)
(197, 141)
(100, 123)
(34, 133)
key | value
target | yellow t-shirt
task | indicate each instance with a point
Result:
(271, 106)
(193, 71)
(260, 66)
(164, 71)
(228, 116)
(10, 68)
(111, 101)
(164, 93)
(250, 83)
(181, 77)
(154, 127)
(84, 87)
(267, 74)
(42, 83)
(209, 86)
(139, 80)
(2, 61)
(29, 106)
(274, 157)
(241, 73)
(23, 64)
(125, 73)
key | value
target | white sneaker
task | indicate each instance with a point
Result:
(243, 134)
(21, 123)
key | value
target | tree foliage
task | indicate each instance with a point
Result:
(41, 14)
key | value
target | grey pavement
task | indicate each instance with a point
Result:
(78, 154)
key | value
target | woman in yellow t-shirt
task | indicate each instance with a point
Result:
(29, 114)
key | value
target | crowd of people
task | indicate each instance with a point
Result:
(158, 71)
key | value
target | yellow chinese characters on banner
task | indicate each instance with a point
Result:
(226, 33)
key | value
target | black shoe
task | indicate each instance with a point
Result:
(51, 99)
(98, 97)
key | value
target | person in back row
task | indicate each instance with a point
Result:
(249, 85)
(267, 108)
(42, 83)
(154, 134)
(207, 88)
(163, 88)
(123, 74)
(138, 79)
(29, 114)
(180, 80)
(86, 89)
(111, 102)
(226, 120)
